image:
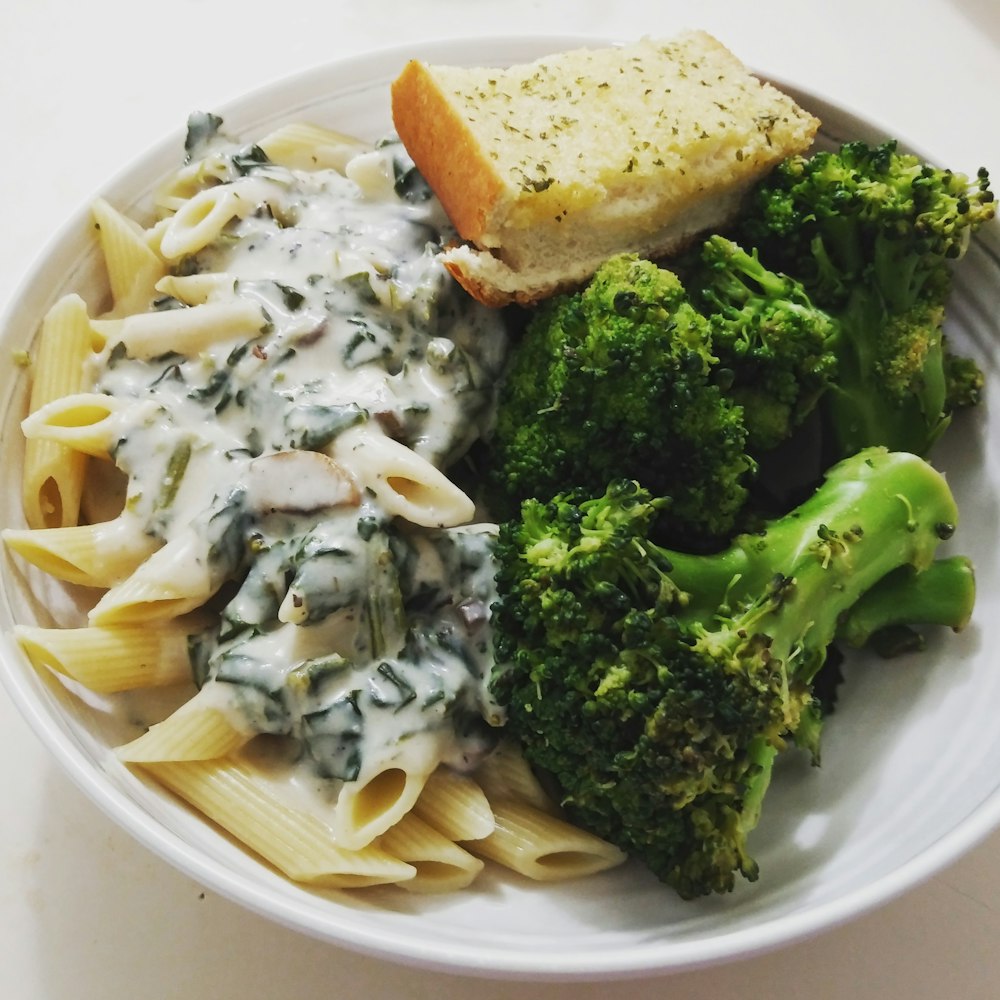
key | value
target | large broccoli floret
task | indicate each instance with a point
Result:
(616, 382)
(871, 233)
(656, 687)
(769, 337)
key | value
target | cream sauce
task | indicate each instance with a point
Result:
(342, 628)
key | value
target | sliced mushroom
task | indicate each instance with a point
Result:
(297, 482)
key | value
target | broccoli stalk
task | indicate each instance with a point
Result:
(871, 233)
(891, 386)
(656, 687)
(943, 594)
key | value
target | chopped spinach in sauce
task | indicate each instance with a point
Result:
(340, 626)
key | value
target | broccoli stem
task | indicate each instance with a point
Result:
(943, 594)
(860, 407)
(877, 515)
(762, 755)
(874, 512)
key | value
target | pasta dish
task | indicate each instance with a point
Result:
(245, 453)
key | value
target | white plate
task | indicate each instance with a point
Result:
(911, 772)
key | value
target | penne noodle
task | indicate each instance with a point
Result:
(407, 485)
(202, 217)
(195, 289)
(52, 487)
(337, 652)
(133, 268)
(366, 808)
(174, 580)
(374, 178)
(455, 806)
(183, 184)
(198, 730)
(53, 476)
(505, 774)
(110, 659)
(155, 233)
(89, 555)
(543, 847)
(86, 422)
(302, 146)
(296, 842)
(441, 865)
(187, 331)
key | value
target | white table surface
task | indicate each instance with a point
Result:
(87, 913)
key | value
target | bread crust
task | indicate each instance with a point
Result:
(448, 156)
(488, 278)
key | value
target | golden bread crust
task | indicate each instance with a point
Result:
(446, 153)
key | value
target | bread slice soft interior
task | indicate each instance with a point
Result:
(546, 169)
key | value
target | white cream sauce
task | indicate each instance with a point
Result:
(341, 628)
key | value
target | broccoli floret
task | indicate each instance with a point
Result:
(656, 687)
(871, 233)
(768, 335)
(964, 381)
(908, 354)
(616, 382)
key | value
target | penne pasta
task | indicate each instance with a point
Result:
(53, 476)
(198, 730)
(366, 808)
(183, 184)
(202, 217)
(89, 555)
(296, 842)
(374, 177)
(339, 648)
(543, 847)
(85, 422)
(407, 485)
(441, 865)
(301, 145)
(195, 289)
(133, 268)
(110, 659)
(155, 232)
(186, 331)
(455, 805)
(505, 774)
(174, 580)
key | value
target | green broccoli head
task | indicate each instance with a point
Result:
(908, 354)
(865, 214)
(964, 381)
(655, 686)
(653, 731)
(871, 233)
(768, 335)
(615, 382)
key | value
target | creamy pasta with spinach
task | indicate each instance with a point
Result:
(354, 631)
